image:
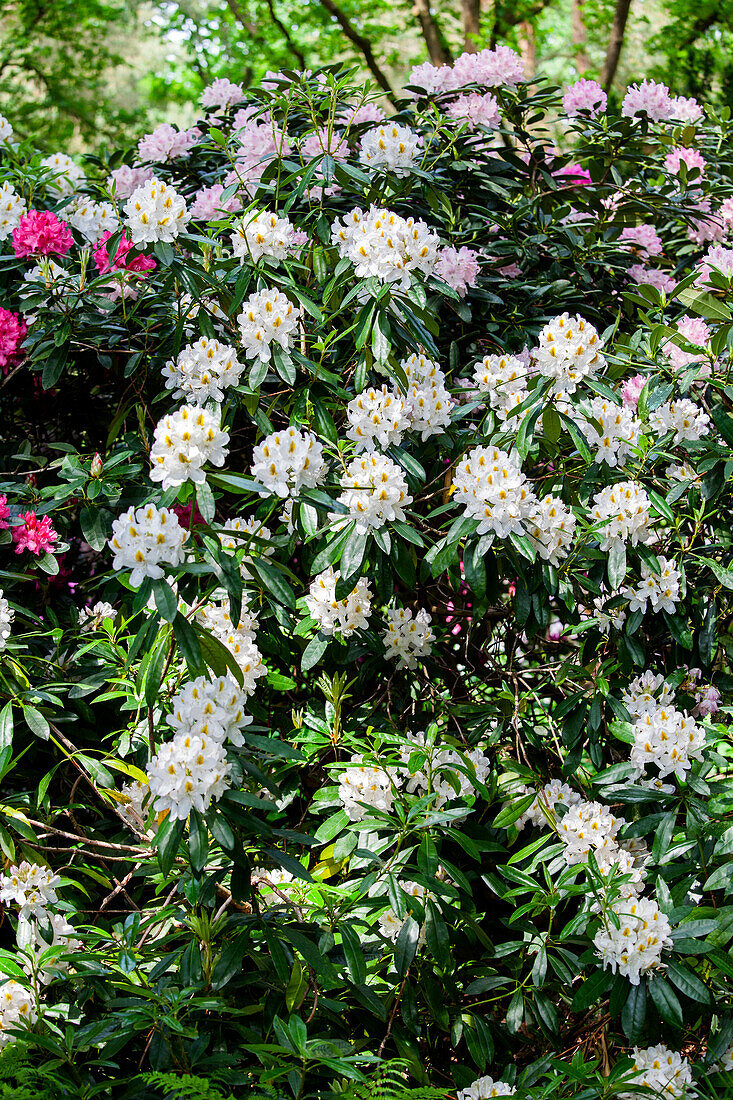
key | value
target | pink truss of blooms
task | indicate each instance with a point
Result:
(585, 96)
(497, 68)
(718, 259)
(208, 203)
(459, 268)
(34, 534)
(650, 97)
(243, 116)
(167, 143)
(433, 78)
(510, 271)
(696, 332)
(4, 512)
(476, 110)
(709, 227)
(643, 240)
(574, 174)
(368, 112)
(221, 93)
(631, 391)
(683, 155)
(139, 264)
(648, 276)
(260, 143)
(126, 180)
(315, 145)
(13, 331)
(183, 511)
(41, 233)
(725, 213)
(686, 110)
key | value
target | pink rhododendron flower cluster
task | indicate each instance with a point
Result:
(642, 240)
(167, 143)
(650, 98)
(718, 259)
(648, 276)
(696, 332)
(124, 180)
(221, 93)
(260, 142)
(709, 227)
(4, 512)
(35, 535)
(41, 233)
(631, 391)
(585, 96)
(209, 205)
(574, 175)
(475, 110)
(500, 67)
(682, 155)
(139, 264)
(13, 331)
(459, 268)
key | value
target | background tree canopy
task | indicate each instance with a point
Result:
(79, 74)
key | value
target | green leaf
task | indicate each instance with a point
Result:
(198, 841)
(704, 304)
(633, 1013)
(216, 655)
(666, 1001)
(92, 526)
(591, 991)
(616, 564)
(688, 983)
(165, 600)
(6, 726)
(154, 669)
(354, 954)
(406, 945)
(725, 576)
(274, 582)
(36, 722)
(437, 938)
(353, 552)
(313, 651)
(296, 988)
(205, 501)
(188, 643)
(167, 841)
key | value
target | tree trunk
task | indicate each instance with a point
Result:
(362, 44)
(471, 16)
(616, 41)
(580, 38)
(438, 51)
(528, 50)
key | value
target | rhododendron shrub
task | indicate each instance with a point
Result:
(365, 625)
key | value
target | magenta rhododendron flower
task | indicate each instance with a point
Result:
(41, 233)
(4, 512)
(34, 534)
(138, 264)
(13, 331)
(631, 391)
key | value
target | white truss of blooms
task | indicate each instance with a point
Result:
(390, 148)
(668, 738)
(417, 780)
(155, 212)
(91, 618)
(683, 417)
(555, 793)
(662, 1072)
(620, 863)
(490, 484)
(504, 378)
(569, 350)
(12, 208)
(30, 939)
(6, 130)
(68, 175)
(268, 317)
(145, 538)
(92, 219)
(264, 234)
(364, 783)
(661, 589)
(484, 1088)
(247, 656)
(636, 946)
(202, 371)
(340, 617)
(551, 528)
(386, 246)
(646, 693)
(407, 637)
(623, 508)
(606, 617)
(17, 1006)
(588, 826)
(134, 805)
(183, 442)
(376, 417)
(619, 434)
(390, 924)
(31, 887)
(216, 618)
(288, 461)
(212, 708)
(254, 534)
(7, 615)
(374, 491)
(190, 307)
(427, 402)
(188, 773)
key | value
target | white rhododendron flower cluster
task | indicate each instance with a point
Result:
(384, 245)
(547, 798)
(187, 773)
(490, 484)
(551, 526)
(504, 378)
(212, 708)
(250, 536)
(568, 352)
(375, 491)
(659, 590)
(390, 148)
(663, 1072)
(66, 177)
(338, 616)
(286, 462)
(30, 887)
(619, 433)
(669, 739)
(7, 614)
(12, 207)
(588, 827)
(633, 937)
(376, 418)
(268, 317)
(155, 212)
(263, 236)
(485, 1088)
(622, 513)
(203, 371)
(363, 787)
(144, 540)
(408, 638)
(17, 1009)
(684, 418)
(183, 443)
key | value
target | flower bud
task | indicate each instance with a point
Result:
(96, 467)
